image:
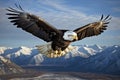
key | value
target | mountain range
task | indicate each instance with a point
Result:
(85, 58)
(8, 67)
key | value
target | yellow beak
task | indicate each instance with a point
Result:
(76, 38)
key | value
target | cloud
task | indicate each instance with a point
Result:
(114, 23)
(113, 2)
(4, 22)
(5, 25)
(116, 9)
(2, 14)
(68, 17)
(61, 15)
(64, 16)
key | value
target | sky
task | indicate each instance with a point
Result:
(62, 14)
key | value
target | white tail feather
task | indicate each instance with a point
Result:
(49, 52)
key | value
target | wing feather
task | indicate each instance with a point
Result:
(31, 23)
(92, 29)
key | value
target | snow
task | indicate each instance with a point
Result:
(53, 76)
(116, 46)
(84, 51)
(90, 58)
(114, 51)
(23, 50)
(96, 47)
(3, 59)
(20, 54)
(90, 50)
(79, 51)
(2, 49)
(76, 52)
(37, 59)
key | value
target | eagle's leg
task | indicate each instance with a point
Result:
(59, 51)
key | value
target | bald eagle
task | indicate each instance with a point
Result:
(58, 40)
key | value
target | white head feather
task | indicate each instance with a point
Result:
(70, 36)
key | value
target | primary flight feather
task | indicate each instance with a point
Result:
(58, 40)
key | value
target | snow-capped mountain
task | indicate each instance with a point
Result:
(8, 67)
(24, 55)
(106, 61)
(87, 58)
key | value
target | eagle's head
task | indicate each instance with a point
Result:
(70, 36)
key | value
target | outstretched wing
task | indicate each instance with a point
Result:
(92, 29)
(32, 24)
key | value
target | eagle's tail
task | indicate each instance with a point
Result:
(49, 52)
